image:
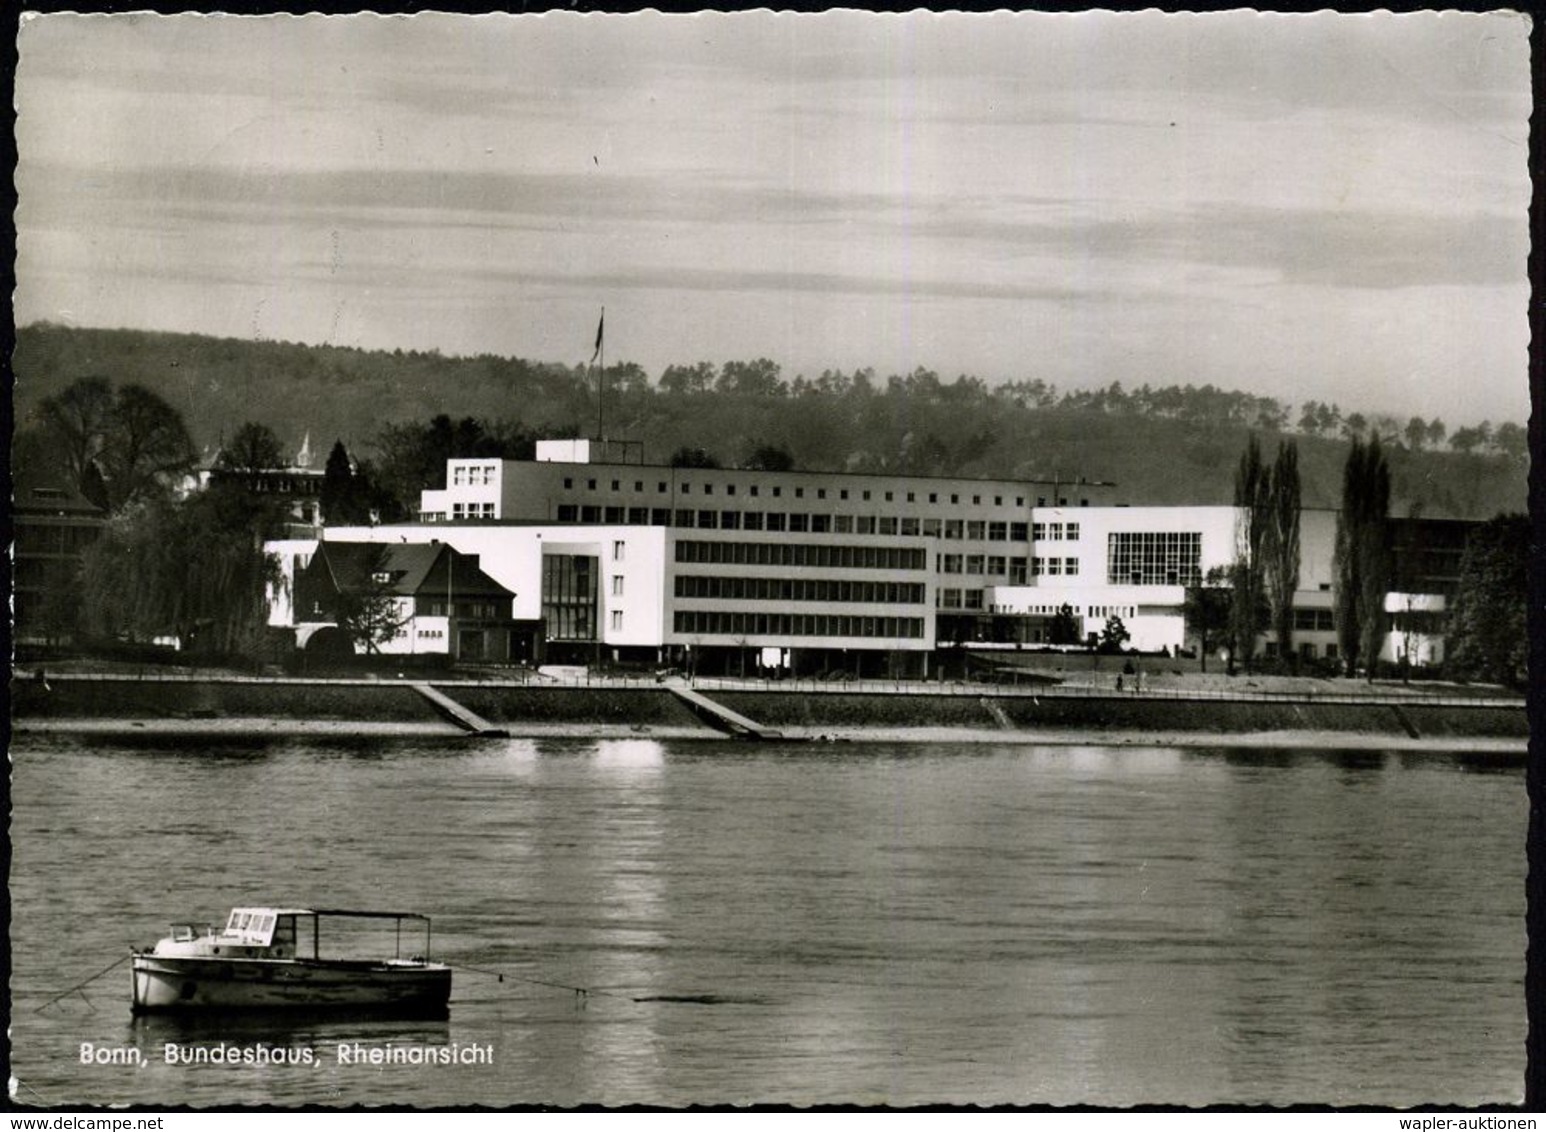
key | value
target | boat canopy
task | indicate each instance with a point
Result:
(256, 926)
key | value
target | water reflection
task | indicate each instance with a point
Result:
(809, 923)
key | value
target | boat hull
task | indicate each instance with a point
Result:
(172, 985)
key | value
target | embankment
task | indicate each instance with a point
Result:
(105, 705)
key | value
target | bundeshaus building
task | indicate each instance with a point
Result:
(610, 559)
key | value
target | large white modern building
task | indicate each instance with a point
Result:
(613, 559)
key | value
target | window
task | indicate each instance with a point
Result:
(842, 524)
(458, 510)
(976, 530)
(952, 564)
(777, 491)
(1055, 532)
(1017, 571)
(998, 501)
(616, 486)
(590, 513)
(953, 528)
(950, 599)
(730, 520)
(617, 585)
(998, 532)
(799, 520)
(1038, 566)
(933, 497)
(889, 496)
(568, 512)
(888, 524)
(730, 489)
(1071, 532)
(866, 524)
(909, 526)
(972, 599)
(997, 566)
(709, 519)
(799, 493)
(613, 515)
(1154, 558)
(1017, 532)
(974, 563)
(568, 483)
(684, 518)
(775, 520)
(617, 619)
(976, 501)
(591, 484)
(751, 521)
(687, 489)
(821, 493)
(821, 524)
(911, 498)
(931, 527)
(708, 489)
(1038, 531)
(660, 517)
(753, 490)
(843, 494)
(1070, 566)
(955, 499)
(638, 485)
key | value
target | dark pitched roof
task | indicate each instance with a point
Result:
(411, 566)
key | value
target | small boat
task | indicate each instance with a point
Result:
(282, 958)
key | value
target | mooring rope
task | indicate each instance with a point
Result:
(80, 987)
(581, 993)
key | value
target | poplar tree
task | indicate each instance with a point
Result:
(1251, 523)
(1362, 555)
(1281, 544)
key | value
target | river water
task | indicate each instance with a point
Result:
(862, 923)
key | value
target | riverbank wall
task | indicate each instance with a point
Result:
(98, 703)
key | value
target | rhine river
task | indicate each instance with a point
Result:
(860, 923)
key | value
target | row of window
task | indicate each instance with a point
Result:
(801, 554)
(472, 510)
(974, 530)
(472, 474)
(799, 589)
(736, 624)
(777, 491)
(1015, 569)
(1314, 620)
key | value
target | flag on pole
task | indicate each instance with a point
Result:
(600, 327)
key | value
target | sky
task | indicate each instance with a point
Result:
(1327, 207)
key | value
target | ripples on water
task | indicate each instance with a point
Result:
(871, 924)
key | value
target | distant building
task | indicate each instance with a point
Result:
(427, 598)
(52, 527)
(873, 575)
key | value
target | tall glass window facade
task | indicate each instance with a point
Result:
(569, 584)
(1154, 558)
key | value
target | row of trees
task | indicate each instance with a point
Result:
(1206, 404)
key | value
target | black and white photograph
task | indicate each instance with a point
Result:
(764, 558)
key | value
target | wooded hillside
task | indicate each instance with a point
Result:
(1174, 445)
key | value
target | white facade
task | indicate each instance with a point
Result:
(630, 561)
(474, 490)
